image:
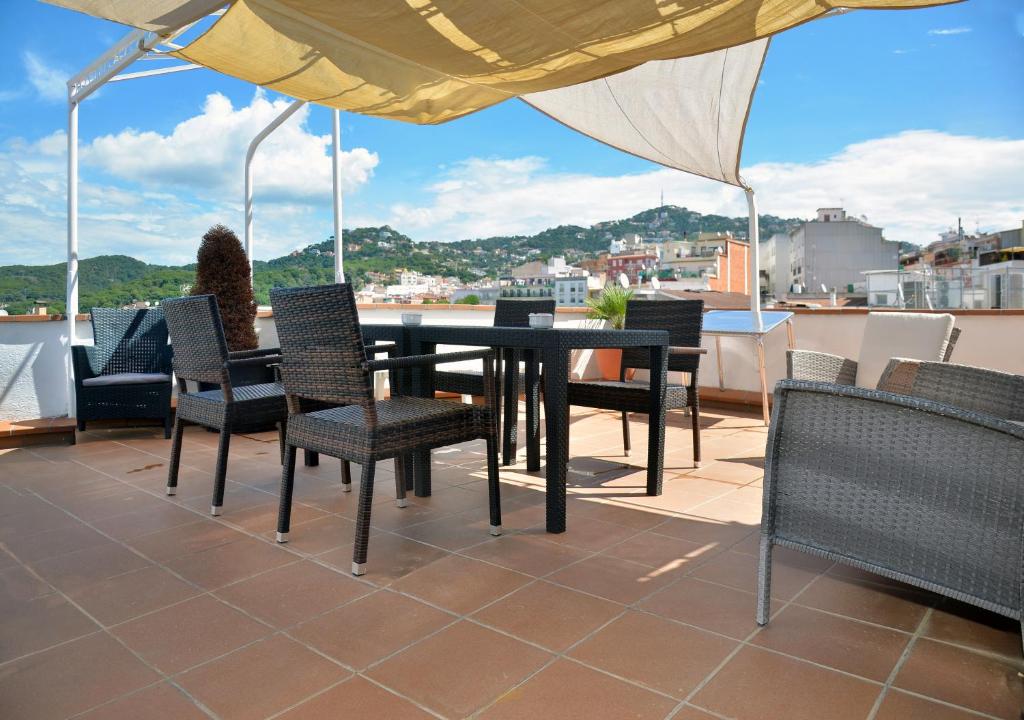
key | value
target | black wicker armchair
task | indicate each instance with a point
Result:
(201, 355)
(126, 373)
(683, 319)
(923, 486)
(507, 313)
(324, 361)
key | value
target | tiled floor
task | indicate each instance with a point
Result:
(117, 601)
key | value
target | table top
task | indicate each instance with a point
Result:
(741, 322)
(489, 336)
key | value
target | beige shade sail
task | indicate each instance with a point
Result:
(430, 61)
(688, 114)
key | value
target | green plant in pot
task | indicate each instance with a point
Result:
(222, 270)
(610, 306)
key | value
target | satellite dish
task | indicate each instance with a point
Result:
(623, 280)
(655, 283)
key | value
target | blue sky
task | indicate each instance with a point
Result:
(861, 109)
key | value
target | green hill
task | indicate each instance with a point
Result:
(113, 280)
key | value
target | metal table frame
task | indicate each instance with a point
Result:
(553, 347)
(771, 319)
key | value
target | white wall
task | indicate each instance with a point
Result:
(32, 354)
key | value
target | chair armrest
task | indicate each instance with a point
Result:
(381, 348)
(980, 390)
(820, 367)
(257, 360)
(83, 359)
(674, 350)
(433, 359)
(257, 352)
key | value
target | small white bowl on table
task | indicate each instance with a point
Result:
(542, 321)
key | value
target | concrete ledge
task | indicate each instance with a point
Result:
(41, 431)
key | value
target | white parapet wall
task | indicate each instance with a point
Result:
(33, 351)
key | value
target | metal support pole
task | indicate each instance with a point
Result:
(71, 297)
(339, 245)
(755, 270)
(260, 137)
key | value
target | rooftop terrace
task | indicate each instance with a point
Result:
(117, 601)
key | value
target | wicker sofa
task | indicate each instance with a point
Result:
(126, 372)
(924, 486)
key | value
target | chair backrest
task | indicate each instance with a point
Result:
(918, 336)
(322, 351)
(197, 336)
(684, 321)
(970, 388)
(130, 340)
(516, 313)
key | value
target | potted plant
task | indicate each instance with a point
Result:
(222, 270)
(610, 306)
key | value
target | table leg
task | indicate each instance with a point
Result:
(759, 342)
(510, 389)
(789, 334)
(532, 406)
(556, 410)
(423, 386)
(719, 363)
(656, 419)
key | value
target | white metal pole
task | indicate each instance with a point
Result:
(339, 245)
(260, 137)
(71, 295)
(755, 270)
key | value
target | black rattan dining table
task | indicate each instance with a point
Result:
(553, 347)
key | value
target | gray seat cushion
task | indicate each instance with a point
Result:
(126, 379)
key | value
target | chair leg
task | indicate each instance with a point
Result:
(220, 478)
(363, 519)
(168, 424)
(695, 422)
(310, 458)
(346, 476)
(400, 489)
(764, 581)
(172, 466)
(81, 426)
(282, 435)
(509, 427)
(625, 434)
(284, 508)
(493, 485)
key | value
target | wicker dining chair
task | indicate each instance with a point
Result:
(201, 355)
(507, 313)
(683, 319)
(324, 361)
(126, 372)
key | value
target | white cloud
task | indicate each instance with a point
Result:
(949, 31)
(50, 82)
(152, 195)
(914, 185)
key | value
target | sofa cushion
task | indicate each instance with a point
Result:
(126, 379)
(917, 336)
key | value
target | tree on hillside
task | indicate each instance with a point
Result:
(223, 271)
(468, 300)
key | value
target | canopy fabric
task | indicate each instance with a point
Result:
(688, 114)
(430, 61)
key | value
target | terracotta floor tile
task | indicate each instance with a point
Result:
(131, 594)
(131, 525)
(901, 608)
(200, 534)
(594, 696)
(51, 543)
(452, 532)
(588, 534)
(705, 605)
(460, 584)
(70, 679)
(654, 652)
(619, 580)
(662, 551)
(261, 679)
(529, 554)
(18, 584)
(32, 625)
(901, 706)
(317, 535)
(479, 666)
(356, 698)
(549, 615)
(847, 645)
(72, 571)
(731, 471)
(157, 702)
(688, 712)
(975, 628)
(613, 512)
(191, 632)
(704, 531)
(790, 572)
(749, 687)
(229, 563)
(964, 678)
(263, 518)
(389, 558)
(370, 628)
(293, 593)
